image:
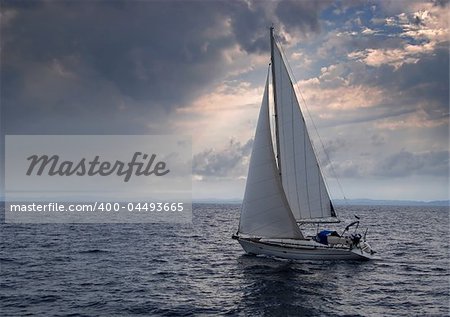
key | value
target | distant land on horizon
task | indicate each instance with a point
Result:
(340, 202)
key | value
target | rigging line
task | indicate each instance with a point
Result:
(297, 89)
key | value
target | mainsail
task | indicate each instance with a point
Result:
(265, 211)
(301, 177)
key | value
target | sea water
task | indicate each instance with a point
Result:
(184, 270)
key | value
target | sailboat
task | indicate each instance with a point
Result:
(285, 187)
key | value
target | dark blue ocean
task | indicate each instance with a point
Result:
(187, 270)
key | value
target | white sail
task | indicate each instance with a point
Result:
(265, 211)
(300, 173)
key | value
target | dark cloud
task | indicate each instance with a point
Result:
(344, 169)
(377, 140)
(301, 15)
(441, 3)
(335, 145)
(330, 149)
(228, 162)
(405, 163)
(250, 25)
(121, 66)
(94, 58)
(426, 81)
(397, 165)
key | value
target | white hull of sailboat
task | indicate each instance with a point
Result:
(301, 250)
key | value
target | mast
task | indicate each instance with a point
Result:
(272, 61)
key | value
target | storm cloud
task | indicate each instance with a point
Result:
(229, 162)
(405, 163)
(120, 66)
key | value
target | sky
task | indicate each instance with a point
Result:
(373, 78)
